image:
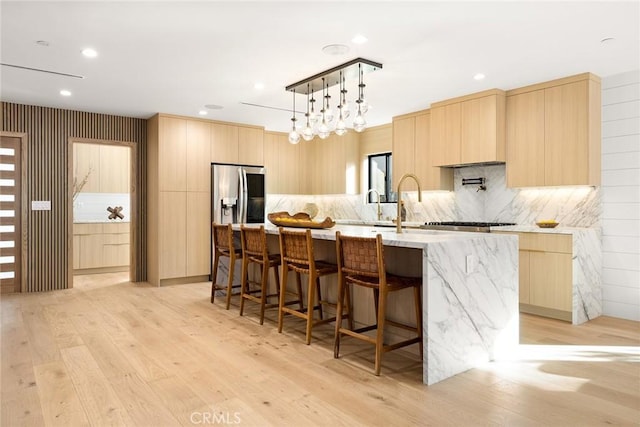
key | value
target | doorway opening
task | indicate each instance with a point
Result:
(103, 207)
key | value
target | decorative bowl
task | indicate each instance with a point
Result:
(547, 224)
(299, 220)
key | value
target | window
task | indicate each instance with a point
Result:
(380, 178)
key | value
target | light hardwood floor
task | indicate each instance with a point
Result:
(109, 352)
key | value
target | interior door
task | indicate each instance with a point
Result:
(10, 206)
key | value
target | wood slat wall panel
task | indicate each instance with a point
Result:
(46, 178)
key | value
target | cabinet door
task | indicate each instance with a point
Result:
(445, 134)
(251, 146)
(115, 169)
(524, 276)
(551, 280)
(525, 139)
(198, 233)
(404, 135)
(198, 156)
(271, 162)
(289, 166)
(224, 143)
(91, 250)
(76, 252)
(86, 165)
(431, 177)
(172, 225)
(172, 154)
(566, 134)
(482, 130)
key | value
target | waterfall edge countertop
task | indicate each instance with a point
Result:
(470, 309)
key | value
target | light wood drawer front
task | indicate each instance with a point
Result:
(561, 243)
(116, 227)
(116, 239)
(80, 229)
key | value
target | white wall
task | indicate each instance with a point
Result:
(621, 195)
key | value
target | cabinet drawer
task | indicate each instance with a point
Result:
(116, 239)
(561, 243)
(116, 227)
(89, 228)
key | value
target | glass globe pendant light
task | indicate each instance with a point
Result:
(323, 128)
(359, 121)
(341, 126)
(344, 104)
(328, 113)
(307, 131)
(294, 136)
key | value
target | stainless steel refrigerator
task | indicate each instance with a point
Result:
(238, 193)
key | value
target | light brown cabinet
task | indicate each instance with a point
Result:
(413, 153)
(469, 129)
(282, 162)
(553, 133)
(101, 245)
(180, 153)
(107, 168)
(546, 280)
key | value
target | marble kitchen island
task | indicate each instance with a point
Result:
(470, 290)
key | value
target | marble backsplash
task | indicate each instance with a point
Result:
(571, 206)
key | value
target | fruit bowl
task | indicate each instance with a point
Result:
(300, 220)
(547, 223)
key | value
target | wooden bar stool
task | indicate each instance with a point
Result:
(223, 247)
(296, 250)
(361, 262)
(254, 251)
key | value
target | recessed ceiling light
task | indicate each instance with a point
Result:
(203, 112)
(258, 86)
(65, 92)
(213, 107)
(335, 49)
(607, 40)
(89, 53)
(359, 39)
(42, 43)
(479, 76)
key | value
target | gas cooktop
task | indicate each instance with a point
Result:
(483, 227)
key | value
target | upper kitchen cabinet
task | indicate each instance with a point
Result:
(172, 153)
(282, 162)
(553, 133)
(198, 142)
(413, 153)
(469, 129)
(237, 144)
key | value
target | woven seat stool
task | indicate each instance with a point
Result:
(254, 251)
(296, 250)
(361, 263)
(223, 247)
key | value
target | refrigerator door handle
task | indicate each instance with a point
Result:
(243, 196)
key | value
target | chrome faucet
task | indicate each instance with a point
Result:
(399, 217)
(366, 197)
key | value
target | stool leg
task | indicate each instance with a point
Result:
(283, 289)
(380, 331)
(336, 339)
(214, 276)
(416, 294)
(347, 292)
(310, 304)
(232, 264)
(319, 297)
(299, 286)
(376, 299)
(243, 282)
(264, 269)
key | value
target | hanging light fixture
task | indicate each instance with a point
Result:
(294, 136)
(307, 131)
(321, 123)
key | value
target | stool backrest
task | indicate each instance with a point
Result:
(360, 255)
(222, 237)
(253, 240)
(296, 246)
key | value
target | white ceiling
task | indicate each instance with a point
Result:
(175, 57)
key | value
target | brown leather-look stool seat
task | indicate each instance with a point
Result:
(361, 263)
(254, 251)
(223, 247)
(296, 250)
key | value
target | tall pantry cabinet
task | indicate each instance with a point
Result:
(180, 153)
